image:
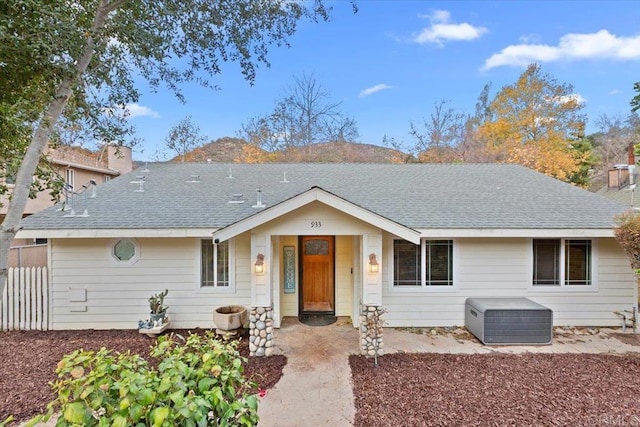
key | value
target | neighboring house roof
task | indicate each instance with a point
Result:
(621, 190)
(415, 196)
(626, 196)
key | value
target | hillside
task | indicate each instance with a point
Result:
(230, 150)
(222, 150)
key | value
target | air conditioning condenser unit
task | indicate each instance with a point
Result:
(509, 321)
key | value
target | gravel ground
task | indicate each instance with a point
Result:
(28, 361)
(497, 390)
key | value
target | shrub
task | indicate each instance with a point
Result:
(198, 382)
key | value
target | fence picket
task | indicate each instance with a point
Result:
(38, 301)
(12, 300)
(24, 304)
(21, 298)
(32, 300)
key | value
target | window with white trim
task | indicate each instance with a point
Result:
(427, 264)
(125, 251)
(70, 178)
(215, 264)
(562, 262)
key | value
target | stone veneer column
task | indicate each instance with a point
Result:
(371, 330)
(261, 331)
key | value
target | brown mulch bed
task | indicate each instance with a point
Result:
(496, 389)
(28, 361)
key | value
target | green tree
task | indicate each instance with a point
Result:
(585, 158)
(535, 122)
(79, 59)
(635, 102)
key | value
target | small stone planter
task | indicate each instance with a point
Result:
(230, 317)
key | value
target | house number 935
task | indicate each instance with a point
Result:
(316, 224)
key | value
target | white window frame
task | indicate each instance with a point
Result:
(232, 269)
(423, 259)
(562, 287)
(118, 261)
(70, 179)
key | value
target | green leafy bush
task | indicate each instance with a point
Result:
(198, 382)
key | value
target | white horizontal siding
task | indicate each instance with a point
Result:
(117, 293)
(501, 267)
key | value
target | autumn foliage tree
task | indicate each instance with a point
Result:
(627, 233)
(535, 122)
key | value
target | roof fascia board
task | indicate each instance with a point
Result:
(105, 171)
(516, 232)
(115, 232)
(317, 194)
(207, 232)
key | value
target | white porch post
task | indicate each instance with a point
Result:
(261, 315)
(371, 282)
(371, 306)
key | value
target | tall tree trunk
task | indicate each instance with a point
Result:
(39, 141)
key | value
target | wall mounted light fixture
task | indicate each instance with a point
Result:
(259, 264)
(373, 263)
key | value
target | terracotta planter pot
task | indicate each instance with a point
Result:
(230, 317)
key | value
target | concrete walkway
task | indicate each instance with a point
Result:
(420, 340)
(315, 388)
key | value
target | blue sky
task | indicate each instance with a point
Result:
(389, 63)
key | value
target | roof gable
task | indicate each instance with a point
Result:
(310, 196)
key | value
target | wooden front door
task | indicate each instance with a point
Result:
(317, 291)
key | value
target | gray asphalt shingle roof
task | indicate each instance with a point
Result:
(419, 196)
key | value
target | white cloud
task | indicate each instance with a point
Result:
(442, 30)
(529, 38)
(571, 98)
(136, 110)
(614, 92)
(373, 89)
(572, 47)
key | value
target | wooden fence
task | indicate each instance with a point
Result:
(25, 302)
(28, 256)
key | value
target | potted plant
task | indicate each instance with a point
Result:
(157, 307)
